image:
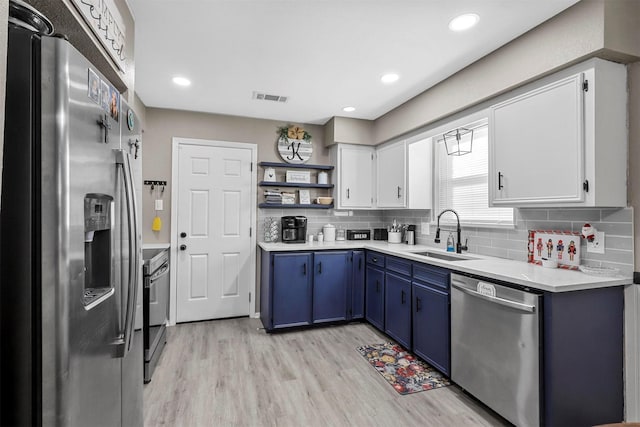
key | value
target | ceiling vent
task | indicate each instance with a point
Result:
(267, 97)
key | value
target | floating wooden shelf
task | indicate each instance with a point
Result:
(295, 166)
(293, 184)
(294, 206)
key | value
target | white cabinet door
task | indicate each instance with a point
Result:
(419, 174)
(391, 178)
(537, 146)
(355, 176)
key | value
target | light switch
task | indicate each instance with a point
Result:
(158, 204)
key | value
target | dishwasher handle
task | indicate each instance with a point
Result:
(497, 300)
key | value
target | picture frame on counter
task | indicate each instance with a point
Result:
(304, 197)
(298, 177)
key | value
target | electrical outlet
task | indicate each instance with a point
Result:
(597, 245)
(424, 229)
(159, 204)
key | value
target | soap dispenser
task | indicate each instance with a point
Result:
(450, 243)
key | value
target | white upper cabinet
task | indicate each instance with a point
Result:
(419, 174)
(562, 141)
(354, 173)
(391, 188)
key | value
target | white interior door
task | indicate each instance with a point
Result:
(214, 220)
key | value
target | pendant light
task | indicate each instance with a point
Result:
(458, 141)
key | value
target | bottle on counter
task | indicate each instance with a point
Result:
(320, 237)
(450, 243)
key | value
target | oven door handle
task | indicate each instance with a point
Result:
(496, 300)
(162, 271)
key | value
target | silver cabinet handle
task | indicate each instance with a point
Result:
(505, 302)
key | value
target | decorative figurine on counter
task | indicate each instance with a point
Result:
(560, 248)
(589, 232)
(571, 250)
(539, 247)
(549, 248)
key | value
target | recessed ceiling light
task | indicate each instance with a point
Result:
(349, 109)
(181, 81)
(389, 78)
(463, 22)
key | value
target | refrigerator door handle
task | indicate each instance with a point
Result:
(123, 160)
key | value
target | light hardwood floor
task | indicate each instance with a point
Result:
(230, 373)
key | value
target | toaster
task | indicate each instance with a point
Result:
(380, 234)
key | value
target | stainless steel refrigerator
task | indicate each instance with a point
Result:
(70, 245)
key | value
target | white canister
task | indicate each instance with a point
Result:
(329, 232)
(323, 178)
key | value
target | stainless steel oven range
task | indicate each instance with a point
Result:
(155, 299)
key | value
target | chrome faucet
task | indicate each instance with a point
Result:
(459, 246)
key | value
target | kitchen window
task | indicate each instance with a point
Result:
(461, 182)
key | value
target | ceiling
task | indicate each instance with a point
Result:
(322, 55)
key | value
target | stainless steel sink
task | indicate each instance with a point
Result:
(445, 257)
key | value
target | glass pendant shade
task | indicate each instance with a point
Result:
(458, 141)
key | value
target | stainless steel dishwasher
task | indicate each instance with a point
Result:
(495, 346)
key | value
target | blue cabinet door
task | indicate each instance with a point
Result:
(374, 297)
(397, 299)
(357, 285)
(291, 295)
(431, 326)
(331, 277)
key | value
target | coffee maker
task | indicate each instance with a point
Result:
(294, 229)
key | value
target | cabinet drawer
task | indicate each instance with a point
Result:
(399, 266)
(375, 258)
(429, 274)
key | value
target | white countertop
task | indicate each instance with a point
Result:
(156, 245)
(519, 272)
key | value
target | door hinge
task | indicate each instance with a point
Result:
(585, 185)
(585, 85)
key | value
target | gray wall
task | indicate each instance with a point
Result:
(162, 125)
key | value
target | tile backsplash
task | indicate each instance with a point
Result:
(508, 243)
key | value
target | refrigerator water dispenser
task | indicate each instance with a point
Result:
(97, 249)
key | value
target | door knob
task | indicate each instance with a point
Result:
(183, 234)
(183, 247)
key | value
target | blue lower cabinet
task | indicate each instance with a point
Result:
(398, 308)
(374, 297)
(431, 327)
(356, 303)
(331, 277)
(291, 291)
